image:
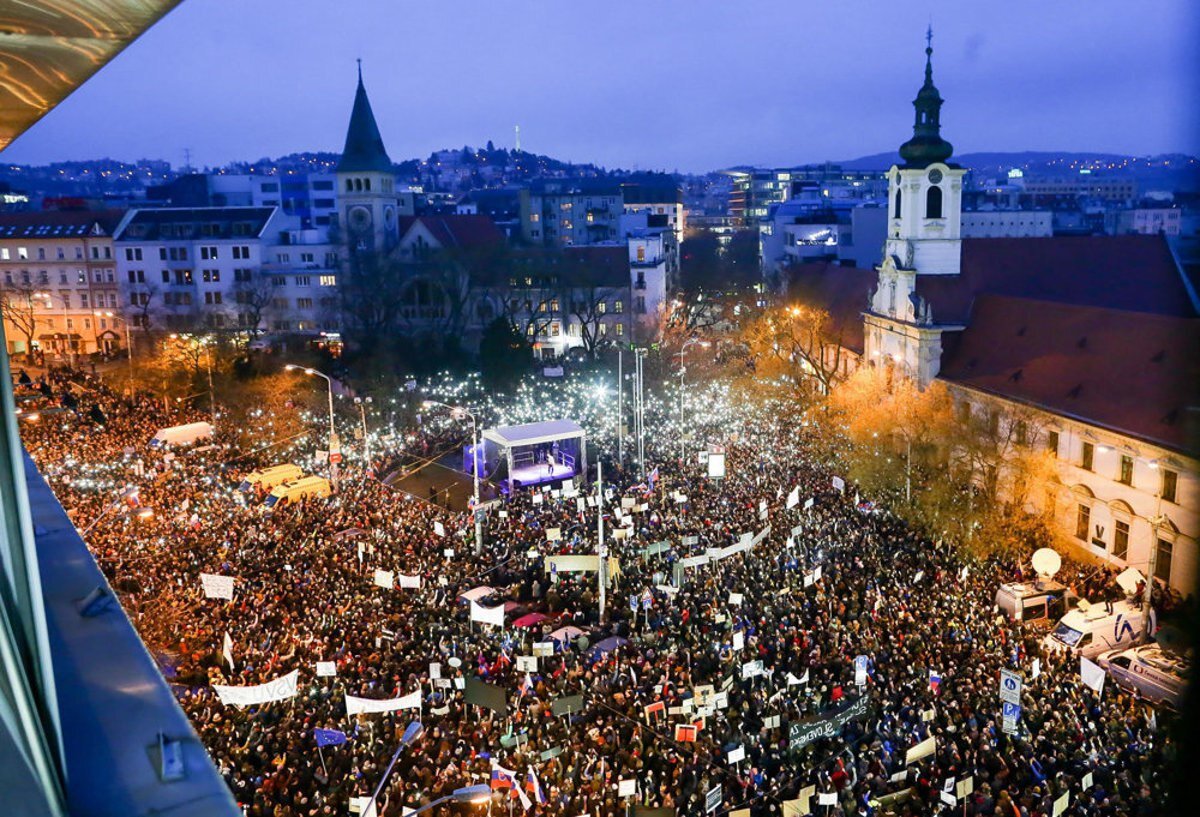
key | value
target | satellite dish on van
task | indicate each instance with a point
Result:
(1046, 562)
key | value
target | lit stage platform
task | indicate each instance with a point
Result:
(526, 475)
(522, 452)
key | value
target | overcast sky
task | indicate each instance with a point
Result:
(691, 85)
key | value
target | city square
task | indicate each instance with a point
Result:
(494, 483)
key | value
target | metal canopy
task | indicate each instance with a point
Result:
(51, 47)
(533, 433)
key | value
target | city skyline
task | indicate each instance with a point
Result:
(1007, 87)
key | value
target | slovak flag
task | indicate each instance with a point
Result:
(935, 681)
(534, 787)
(502, 778)
(527, 685)
(653, 477)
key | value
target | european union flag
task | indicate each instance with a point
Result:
(329, 737)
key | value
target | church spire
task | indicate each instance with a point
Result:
(364, 149)
(926, 145)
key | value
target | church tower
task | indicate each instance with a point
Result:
(923, 239)
(367, 202)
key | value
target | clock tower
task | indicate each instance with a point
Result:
(367, 202)
(923, 239)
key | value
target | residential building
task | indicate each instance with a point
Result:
(1145, 221)
(571, 212)
(58, 283)
(247, 269)
(1084, 345)
(660, 200)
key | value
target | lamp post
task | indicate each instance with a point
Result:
(601, 553)
(362, 416)
(683, 350)
(411, 735)
(479, 793)
(458, 412)
(335, 452)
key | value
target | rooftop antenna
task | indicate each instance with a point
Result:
(517, 129)
(359, 61)
(187, 160)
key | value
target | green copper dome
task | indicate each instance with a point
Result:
(926, 145)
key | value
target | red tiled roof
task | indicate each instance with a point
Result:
(1132, 372)
(465, 231)
(1133, 273)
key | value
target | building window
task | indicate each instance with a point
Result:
(1083, 519)
(241, 276)
(1089, 454)
(304, 303)
(208, 253)
(1120, 539)
(327, 280)
(1162, 565)
(897, 214)
(620, 329)
(1052, 442)
(641, 254)
(303, 281)
(1170, 481)
(1126, 477)
(933, 202)
(212, 297)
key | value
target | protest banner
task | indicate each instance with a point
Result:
(280, 689)
(358, 706)
(489, 696)
(217, 587)
(802, 733)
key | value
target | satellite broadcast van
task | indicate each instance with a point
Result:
(181, 435)
(1149, 671)
(268, 478)
(300, 489)
(1042, 601)
(1091, 629)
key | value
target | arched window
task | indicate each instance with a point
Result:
(358, 185)
(933, 202)
(367, 185)
(897, 202)
(349, 185)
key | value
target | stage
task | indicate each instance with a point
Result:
(518, 455)
(536, 473)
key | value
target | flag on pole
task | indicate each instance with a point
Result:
(502, 778)
(935, 681)
(535, 787)
(329, 737)
(653, 477)
(227, 650)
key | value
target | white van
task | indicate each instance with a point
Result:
(181, 435)
(1042, 601)
(1090, 629)
(268, 478)
(1155, 675)
(300, 489)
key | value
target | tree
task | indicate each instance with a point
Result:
(801, 341)
(252, 297)
(372, 299)
(503, 353)
(17, 308)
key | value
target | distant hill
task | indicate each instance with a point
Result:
(1173, 171)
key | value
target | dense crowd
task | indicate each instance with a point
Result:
(824, 583)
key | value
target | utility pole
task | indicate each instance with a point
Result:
(620, 415)
(640, 409)
(602, 570)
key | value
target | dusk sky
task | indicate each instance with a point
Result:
(671, 84)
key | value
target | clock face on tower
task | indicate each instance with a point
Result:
(359, 219)
(935, 176)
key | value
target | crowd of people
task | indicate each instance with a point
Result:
(742, 648)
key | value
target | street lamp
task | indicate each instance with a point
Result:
(458, 412)
(362, 415)
(682, 350)
(411, 735)
(334, 447)
(202, 342)
(479, 793)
